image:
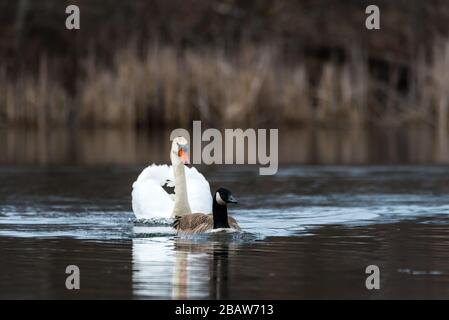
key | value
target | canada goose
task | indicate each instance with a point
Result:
(201, 222)
(168, 191)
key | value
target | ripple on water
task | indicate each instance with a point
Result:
(261, 221)
(345, 196)
(152, 221)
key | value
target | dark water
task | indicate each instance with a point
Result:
(310, 232)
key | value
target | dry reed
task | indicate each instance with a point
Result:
(250, 88)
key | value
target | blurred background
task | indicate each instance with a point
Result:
(111, 92)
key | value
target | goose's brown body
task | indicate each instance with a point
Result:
(198, 223)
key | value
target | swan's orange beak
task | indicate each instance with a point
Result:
(184, 156)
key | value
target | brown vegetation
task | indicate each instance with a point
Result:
(249, 88)
(226, 62)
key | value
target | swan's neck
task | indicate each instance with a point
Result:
(220, 214)
(181, 201)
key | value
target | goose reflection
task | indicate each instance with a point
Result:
(181, 268)
(219, 271)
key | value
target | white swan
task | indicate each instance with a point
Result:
(153, 197)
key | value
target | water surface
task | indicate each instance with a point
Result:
(309, 232)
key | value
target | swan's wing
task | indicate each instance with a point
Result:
(169, 187)
(198, 191)
(153, 192)
(149, 199)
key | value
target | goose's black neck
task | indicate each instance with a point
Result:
(220, 214)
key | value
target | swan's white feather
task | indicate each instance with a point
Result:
(150, 200)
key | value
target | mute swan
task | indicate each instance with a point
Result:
(200, 222)
(153, 197)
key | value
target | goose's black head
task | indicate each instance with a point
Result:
(223, 197)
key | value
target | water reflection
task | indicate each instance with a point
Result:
(212, 272)
(180, 268)
(152, 261)
(356, 145)
(330, 263)
(442, 149)
(219, 270)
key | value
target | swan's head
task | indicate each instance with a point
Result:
(179, 151)
(224, 196)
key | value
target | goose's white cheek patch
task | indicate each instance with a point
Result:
(219, 199)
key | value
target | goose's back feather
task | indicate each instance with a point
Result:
(153, 192)
(199, 223)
